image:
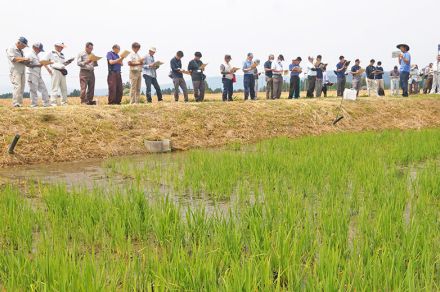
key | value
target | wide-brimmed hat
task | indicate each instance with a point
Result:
(23, 40)
(152, 49)
(60, 44)
(404, 45)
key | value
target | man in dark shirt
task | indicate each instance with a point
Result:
(269, 80)
(197, 76)
(378, 76)
(341, 67)
(357, 76)
(371, 82)
(319, 76)
(295, 71)
(177, 75)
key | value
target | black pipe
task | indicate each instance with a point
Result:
(13, 144)
(337, 120)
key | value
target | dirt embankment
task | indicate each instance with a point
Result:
(77, 132)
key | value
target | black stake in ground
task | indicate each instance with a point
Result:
(13, 144)
(339, 116)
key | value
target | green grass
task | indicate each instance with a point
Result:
(336, 212)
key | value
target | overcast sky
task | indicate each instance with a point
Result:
(356, 29)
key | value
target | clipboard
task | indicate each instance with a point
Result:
(158, 64)
(395, 54)
(203, 66)
(94, 58)
(69, 61)
(124, 54)
(361, 71)
(46, 62)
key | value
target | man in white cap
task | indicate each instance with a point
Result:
(150, 75)
(35, 81)
(17, 66)
(59, 63)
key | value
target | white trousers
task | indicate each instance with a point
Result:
(372, 86)
(395, 86)
(59, 87)
(18, 80)
(36, 84)
(436, 83)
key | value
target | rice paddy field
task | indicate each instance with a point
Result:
(340, 211)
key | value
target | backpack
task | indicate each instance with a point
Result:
(381, 92)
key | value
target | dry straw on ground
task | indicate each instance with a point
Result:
(76, 132)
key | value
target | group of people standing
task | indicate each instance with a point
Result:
(56, 65)
(146, 67)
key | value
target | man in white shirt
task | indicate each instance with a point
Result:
(277, 75)
(135, 63)
(35, 80)
(436, 78)
(17, 66)
(59, 86)
(311, 77)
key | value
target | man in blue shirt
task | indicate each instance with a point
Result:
(405, 68)
(341, 67)
(249, 77)
(295, 71)
(269, 80)
(114, 80)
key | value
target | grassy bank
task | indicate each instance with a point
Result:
(78, 132)
(336, 212)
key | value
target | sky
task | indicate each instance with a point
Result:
(355, 29)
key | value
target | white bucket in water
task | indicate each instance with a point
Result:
(158, 146)
(350, 94)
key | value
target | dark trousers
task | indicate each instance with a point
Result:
(199, 90)
(87, 84)
(340, 86)
(404, 77)
(180, 82)
(249, 86)
(324, 90)
(152, 81)
(115, 89)
(294, 87)
(428, 85)
(311, 80)
(228, 89)
(269, 87)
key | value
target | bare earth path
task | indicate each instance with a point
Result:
(76, 132)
